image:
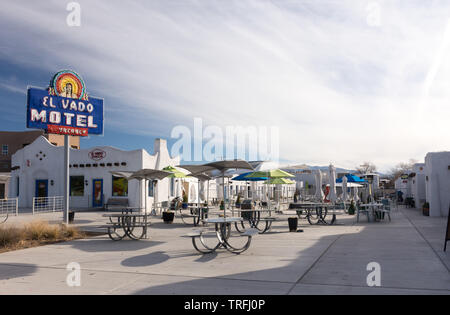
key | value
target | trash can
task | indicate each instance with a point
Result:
(71, 216)
(293, 224)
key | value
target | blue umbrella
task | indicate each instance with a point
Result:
(351, 179)
(243, 178)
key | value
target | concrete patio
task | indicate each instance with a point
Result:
(321, 260)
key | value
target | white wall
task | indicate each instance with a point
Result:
(50, 168)
(438, 182)
(418, 184)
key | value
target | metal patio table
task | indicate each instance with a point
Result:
(127, 224)
(198, 214)
(253, 218)
(223, 233)
(374, 207)
(316, 212)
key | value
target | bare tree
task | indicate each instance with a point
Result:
(401, 168)
(366, 167)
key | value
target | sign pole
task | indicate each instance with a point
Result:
(66, 179)
(447, 237)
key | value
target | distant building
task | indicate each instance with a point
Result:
(403, 184)
(417, 180)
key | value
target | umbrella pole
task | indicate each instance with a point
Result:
(224, 202)
(229, 198)
(154, 201)
(198, 196)
(207, 195)
(145, 194)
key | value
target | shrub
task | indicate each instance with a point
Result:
(36, 231)
(10, 236)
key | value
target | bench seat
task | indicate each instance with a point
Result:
(116, 203)
(250, 232)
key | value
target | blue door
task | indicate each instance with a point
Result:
(97, 193)
(41, 188)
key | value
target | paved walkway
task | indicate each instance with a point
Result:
(321, 260)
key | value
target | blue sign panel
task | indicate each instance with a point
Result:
(65, 115)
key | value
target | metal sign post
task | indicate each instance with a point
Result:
(447, 236)
(66, 179)
(65, 108)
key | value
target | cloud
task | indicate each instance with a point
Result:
(340, 90)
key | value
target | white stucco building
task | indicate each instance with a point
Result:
(417, 181)
(38, 172)
(437, 182)
(403, 184)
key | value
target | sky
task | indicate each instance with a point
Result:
(343, 81)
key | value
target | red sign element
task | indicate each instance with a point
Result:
(71, 131)
(97, 155)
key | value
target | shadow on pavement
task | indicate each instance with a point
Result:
(12, 270)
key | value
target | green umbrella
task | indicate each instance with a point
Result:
(280, 181)
(270, 174)
(175, 174)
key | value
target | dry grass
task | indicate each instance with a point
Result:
(35, 234)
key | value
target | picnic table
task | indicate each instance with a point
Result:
(3, 217)
(127, 224)
(223, 234)
(253, 218)
(375, 208)
(198, 214)
(314, 212)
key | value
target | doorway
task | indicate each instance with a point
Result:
(2, 191)
(97, 193)
(41, 188)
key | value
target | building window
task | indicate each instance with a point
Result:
(119, 187)
(18, 187)
(76, 186)
(151, 190)
(4, 149)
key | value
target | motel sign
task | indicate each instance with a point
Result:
(65, 108)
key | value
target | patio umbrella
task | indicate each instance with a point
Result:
(221, 166)
(349, 185)
(202, 178)
(178, 190)
(253, 180)
(276, 173)
(175, 174)
(351, 179)
(332, 177)
(280, 181)
(270, 174)
(344, 189)
(355, 194)
(319, 192)
(149, 174)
